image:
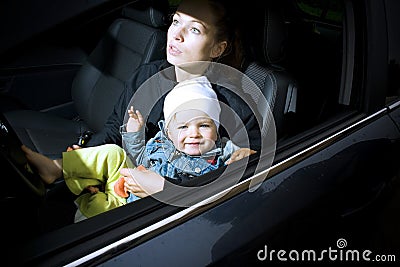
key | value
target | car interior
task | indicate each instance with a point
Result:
(291, 55)
(136, 38)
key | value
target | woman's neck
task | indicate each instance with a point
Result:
(190, 71)
(183, 75)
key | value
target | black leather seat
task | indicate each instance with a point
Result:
(265, 53)
(138, 38)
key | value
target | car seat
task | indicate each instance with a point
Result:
(265, 55)
(137, 38)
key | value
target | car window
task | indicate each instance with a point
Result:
(316, 53)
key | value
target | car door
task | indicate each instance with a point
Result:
(327, 185)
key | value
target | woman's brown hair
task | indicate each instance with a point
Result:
(228, 30)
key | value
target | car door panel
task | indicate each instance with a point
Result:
(270, 214)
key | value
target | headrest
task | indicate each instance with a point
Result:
(149, 15)
(275, 35)
(267, 41)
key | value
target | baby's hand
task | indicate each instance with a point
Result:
(135, 121)
(240, 153)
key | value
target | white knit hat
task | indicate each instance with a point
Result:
(195, 94)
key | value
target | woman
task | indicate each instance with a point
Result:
(200, 31)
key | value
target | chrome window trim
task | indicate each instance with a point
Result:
(394, 105)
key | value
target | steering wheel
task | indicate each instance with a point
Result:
(10, 150)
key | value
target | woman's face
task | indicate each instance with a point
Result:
(191, 36)
(192, 132)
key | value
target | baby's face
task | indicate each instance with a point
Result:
(192, 132)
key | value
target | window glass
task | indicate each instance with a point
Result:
(316, 59)
(174, 3)
(327, 10)
(392, 9)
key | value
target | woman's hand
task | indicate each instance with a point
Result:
(240, 153)
(142, 183)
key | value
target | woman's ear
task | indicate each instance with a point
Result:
(218, 49)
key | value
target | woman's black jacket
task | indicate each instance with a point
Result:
(110, 134)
